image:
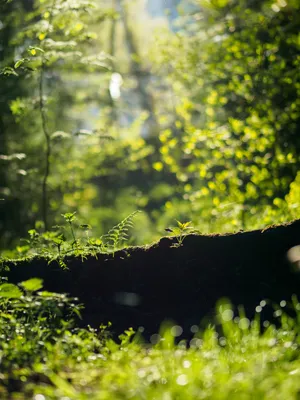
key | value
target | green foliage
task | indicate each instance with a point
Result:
(44, 354)
(8, 71)
(235, 76)
(116, 236)
(54, 37)
(180, 232)
(32, 285)
(213, 138)
(66, 240)
(205, 128)
(42, 307)
(35, 328)
(10, 291)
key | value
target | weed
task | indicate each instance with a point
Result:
(180, 232)
(70, 218)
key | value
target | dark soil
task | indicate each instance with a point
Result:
(143, 286)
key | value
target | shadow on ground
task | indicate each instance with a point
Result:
(144, 286)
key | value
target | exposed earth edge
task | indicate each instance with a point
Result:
(144, 286)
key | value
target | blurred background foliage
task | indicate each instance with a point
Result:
(185, 110)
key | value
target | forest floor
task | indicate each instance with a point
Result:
(168, 280)
(212, 317)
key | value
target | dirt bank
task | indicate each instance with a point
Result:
(142, 286)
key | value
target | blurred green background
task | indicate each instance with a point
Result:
(184, 110)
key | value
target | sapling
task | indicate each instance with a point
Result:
(180, 232)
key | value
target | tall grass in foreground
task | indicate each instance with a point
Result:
(44, 356)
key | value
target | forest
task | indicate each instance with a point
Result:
(149, 199)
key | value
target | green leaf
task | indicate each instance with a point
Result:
(20, 62)
(106, 137)
(69, 217)
(84, 132)
(59, 45)
(11, 157)
(33, 233)
(85, 226)
(58, 240)
(77, 312)
(60, 135)
(48, 294)
(8, 71)
(63, 385)
(183, 225)
(33, 49)
(7, 316)
(10, 291)
(31, 285)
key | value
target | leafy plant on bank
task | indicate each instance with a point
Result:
(181, 231)
(71, 239)
(119, 233)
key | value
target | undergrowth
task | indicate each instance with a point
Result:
(74, 239)
(43, 355)
(70, 239)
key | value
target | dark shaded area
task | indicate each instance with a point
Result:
(145, 286)
(12, 213)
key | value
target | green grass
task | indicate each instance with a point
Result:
(44, 356)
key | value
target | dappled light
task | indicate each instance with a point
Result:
(187, 113)
(149, 199)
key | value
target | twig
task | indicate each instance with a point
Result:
(45, 129)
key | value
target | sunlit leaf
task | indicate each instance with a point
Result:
(31, 285)
(8, 71)
(10, 291)
(15, 156)
(84, 132)
(20, 62)
(60, 135)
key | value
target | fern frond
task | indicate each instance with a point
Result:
(118, 234)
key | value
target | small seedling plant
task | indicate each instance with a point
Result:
(180, 232)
